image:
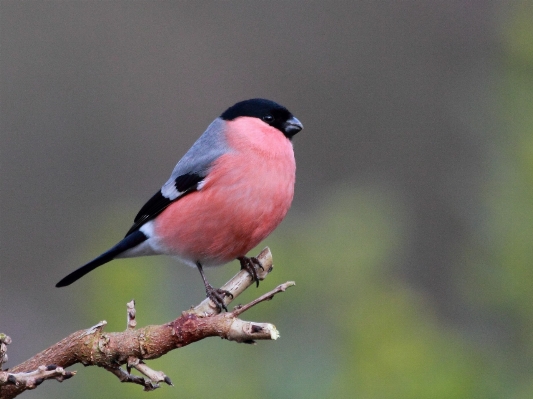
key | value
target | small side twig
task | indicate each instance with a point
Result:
(124, 376)
(4, 341)
(266, 297)
(32, 379)
(154, 377)
(132, 323)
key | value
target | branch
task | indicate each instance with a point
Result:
(93, 347)
(30, 380)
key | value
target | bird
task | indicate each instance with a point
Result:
(229, 191)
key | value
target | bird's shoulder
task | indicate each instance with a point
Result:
(187, 175)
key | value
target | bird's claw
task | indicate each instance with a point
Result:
(217, 295)
(249, 264)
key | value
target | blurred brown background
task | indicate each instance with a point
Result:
(410, 233)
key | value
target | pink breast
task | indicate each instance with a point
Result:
(246, 195)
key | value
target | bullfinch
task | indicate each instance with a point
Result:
(228, 192)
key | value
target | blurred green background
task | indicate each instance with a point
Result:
(410, 237)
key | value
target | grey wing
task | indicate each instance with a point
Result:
(188, 173)
(198, 160)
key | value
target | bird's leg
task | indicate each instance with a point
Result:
(249, 265)
(215, 294)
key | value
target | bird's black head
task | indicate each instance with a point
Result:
(268, 111)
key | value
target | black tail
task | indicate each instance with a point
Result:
(128, 242)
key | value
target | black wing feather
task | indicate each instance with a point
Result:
(185, 184)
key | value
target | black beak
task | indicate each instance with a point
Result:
(292, 126)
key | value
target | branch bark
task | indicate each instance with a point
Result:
(94, 347)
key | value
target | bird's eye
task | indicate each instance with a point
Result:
(268, 118)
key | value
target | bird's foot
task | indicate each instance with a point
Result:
(249, 264)
(217, 295)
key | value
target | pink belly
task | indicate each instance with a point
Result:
(236, 209)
